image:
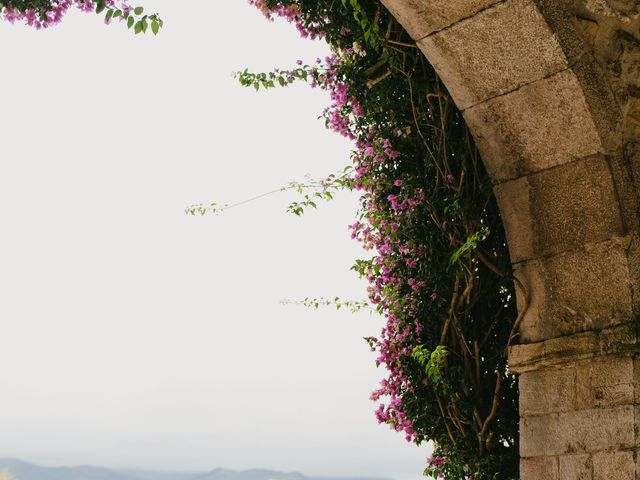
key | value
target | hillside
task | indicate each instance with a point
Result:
(27, 471)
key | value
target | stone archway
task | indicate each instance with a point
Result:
(550, 90)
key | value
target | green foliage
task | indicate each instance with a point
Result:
(133, 18)
(353, 306)
(269, 79)
(136, 20)
(432, 362)
(471, 243)
(322, 190)
(311, 192)
(370, 29)
(202, 209)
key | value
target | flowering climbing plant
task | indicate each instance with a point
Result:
(440, 272)
(47, 13)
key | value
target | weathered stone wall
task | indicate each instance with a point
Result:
(550, 90)
(579, 401)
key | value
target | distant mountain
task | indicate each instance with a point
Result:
(28, 471)
(154, 475)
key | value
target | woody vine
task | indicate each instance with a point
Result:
(440, 274)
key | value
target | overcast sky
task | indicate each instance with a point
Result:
(134, 335)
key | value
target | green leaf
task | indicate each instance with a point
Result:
(138, 10)
(155, 26)
(130, 22)
(100, 6)
(470, 244)
(138, 27)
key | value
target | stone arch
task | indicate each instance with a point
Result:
(550, 89)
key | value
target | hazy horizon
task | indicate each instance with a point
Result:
(150, 472)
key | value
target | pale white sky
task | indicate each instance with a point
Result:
(133, 335)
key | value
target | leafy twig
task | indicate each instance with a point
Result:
(311, 191)
(353, 305)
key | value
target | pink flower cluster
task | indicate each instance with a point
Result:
(344, 111)
(393, 287)
(389, 207)
(57, 12)
(291, 13)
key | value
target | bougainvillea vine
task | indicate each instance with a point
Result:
(440, 274)
(48, 13)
